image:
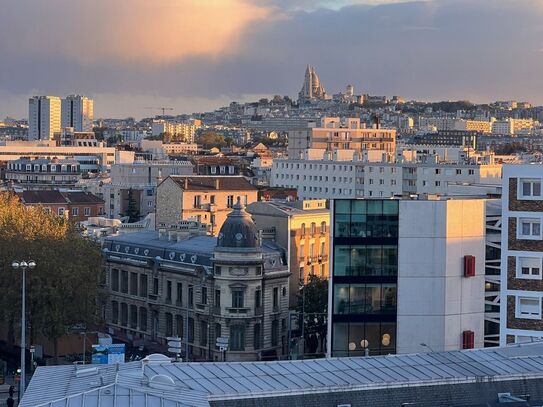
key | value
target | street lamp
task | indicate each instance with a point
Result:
(23, 265)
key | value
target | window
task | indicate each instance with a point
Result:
(275, 297)
(124, 314)
(179, 298)
(323, 227)
(114, 280)
(203, 333)
(114, 312)
(258, 298)
(190, 332)
(143, 285)
(204, 295)
(155, 286)
(179, 325)
(217, 298)
(256, 337)
(458, 172)
(528, 308)
(191, 296)
(197, 201)
(143, 319)
(302, 229)
(529, 229)
(237, 337)
(313, 228)
(133, 284)
(237, 299)
(124, 281)
(230, 201)
(275, 332)
(169, 324)
(60, 211)
(529, 267)
(212, 199)
(530, 188)
(133, 316)
(218, 330)
(169, 292)
(75, 211)
(87, 211)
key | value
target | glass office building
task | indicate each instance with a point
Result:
(364, 277)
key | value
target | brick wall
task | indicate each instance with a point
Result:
(514, 283)
(527, 245)
(522, 205)
(516, 323)
(450, 395)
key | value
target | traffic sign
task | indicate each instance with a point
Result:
(174, 350)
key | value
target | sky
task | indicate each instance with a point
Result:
(133, 56)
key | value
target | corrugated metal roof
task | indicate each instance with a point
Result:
(194, 384)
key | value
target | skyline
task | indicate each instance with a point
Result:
(128, 61)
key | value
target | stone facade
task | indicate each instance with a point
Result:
(519, 323)
(522, 205)
(520, 244)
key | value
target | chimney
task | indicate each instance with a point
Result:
(217, 183)
(162, 234)
(186, 183)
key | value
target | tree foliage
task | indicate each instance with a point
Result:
(132, 210)
(63, 289)
(211, 139)
(313, 305)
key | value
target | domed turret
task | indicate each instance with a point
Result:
(238, 230)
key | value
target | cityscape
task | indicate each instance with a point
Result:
(186, 221)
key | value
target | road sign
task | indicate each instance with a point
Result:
(221, 340)
(173, 338)
(174, 350)
(174, 344)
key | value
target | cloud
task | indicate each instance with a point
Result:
(439, 49)
(121, 31)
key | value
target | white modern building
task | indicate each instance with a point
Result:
(77, 113)
(374, 174)
(43, 117)
(407, 276)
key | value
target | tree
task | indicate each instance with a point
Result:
(211, 139)
(132, 210)
(313, 304)
(63, 289)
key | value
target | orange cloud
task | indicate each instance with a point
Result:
(146, 31)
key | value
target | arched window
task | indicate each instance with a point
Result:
(302, 229)
(323, 227)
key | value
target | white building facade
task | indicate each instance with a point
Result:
(43, 117)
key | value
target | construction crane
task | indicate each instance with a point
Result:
(160, 108)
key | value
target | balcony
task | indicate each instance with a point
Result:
(259, 311)
(242, 311)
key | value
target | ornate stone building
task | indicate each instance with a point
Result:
(180, 282)
(312, 88)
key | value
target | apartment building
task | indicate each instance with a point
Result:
(207, 199)
(341, 134)
(43, 117)
(325, 176)
(183, 283)
(76, 206)
(139, 179)
(182, 131)
(384, 257)
(302, 227)
(43, 173)
(77, 113)
(522, 254)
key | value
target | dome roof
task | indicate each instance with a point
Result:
(238, 230)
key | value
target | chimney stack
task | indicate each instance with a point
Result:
(217, 183)
(186, 183)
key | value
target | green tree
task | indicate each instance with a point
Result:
(211, 139)
(132, 210)
(64, 288)
(312, 302)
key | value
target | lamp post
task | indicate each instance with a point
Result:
(23, 265)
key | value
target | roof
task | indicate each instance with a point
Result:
(206, 183)
(198, 383)
(238, 230)
(38, 196)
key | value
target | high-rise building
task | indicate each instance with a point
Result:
(43, 117)
(407, 276)
(312, 89)
(77, 112)
(522, 254)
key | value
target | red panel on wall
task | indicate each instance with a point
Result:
(469, 266)
(468, 340)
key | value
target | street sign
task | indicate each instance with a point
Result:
(174, 350)
(174, 344)
(221, 340)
